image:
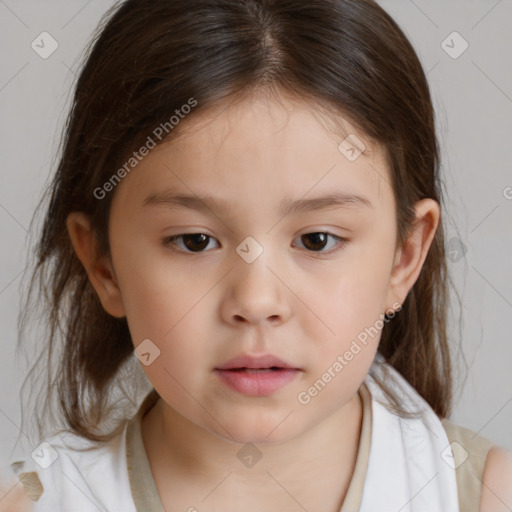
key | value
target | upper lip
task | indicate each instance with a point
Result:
(247, 361)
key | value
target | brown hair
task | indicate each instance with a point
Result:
(147, 59)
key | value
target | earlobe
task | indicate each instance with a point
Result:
(99, 269)
(409, 258)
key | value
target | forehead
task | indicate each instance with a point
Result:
(261, 147)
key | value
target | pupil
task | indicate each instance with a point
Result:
(318, 238)
(203, 242)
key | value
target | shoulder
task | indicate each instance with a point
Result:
(469, 448)
(68, 472)
(497, 481)
(483, 470)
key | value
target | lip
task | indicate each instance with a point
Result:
(259, 383)
(247, 361)
(253, 376)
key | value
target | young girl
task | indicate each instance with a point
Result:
(296, 358)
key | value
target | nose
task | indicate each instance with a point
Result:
(256, 294)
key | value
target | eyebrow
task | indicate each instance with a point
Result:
(204, 204)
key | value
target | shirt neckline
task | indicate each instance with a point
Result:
(143, 487)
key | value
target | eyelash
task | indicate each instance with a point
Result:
(168, 241)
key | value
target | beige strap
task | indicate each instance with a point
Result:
(143, 487)
(32, 485)
(469, 455)
(354, 496)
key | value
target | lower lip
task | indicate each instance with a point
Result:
(261, 383)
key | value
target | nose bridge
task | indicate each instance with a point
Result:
(256, 293)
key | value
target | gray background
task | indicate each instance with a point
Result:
(473, 102)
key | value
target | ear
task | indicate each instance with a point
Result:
(99, 269)
(410, 257)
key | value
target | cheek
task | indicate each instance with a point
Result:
(341, 358)
(171, 309)
(350, 292)
(156, 294)
(351, 306)
(175, 330)
(355, 299)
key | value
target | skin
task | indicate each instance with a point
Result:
(496, 481)
(13, 498)
(304, 306)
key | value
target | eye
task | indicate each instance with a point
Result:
(317, 240)
(194, 242)
(198, 242)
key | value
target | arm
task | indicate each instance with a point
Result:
(497, 481)
(14, 499)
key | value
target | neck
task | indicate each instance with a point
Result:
(180, 451)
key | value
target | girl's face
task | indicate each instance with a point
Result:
(267, 276)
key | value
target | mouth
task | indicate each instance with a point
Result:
(256, 370)
(267, 362)
(256, 376)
